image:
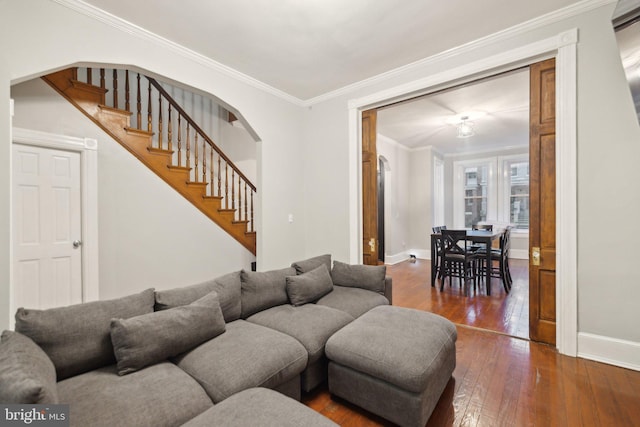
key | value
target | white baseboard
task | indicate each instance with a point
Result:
(420, 253)
(394, 259)
(612, 351)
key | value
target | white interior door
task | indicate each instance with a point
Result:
(46, 224)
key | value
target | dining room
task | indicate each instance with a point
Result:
(458, 160)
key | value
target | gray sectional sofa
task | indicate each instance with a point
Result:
(165, 358)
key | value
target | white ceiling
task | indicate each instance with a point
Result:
(307, 48)
(502, 101)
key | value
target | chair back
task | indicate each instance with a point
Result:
(438, 229)
(454, 242)
(486, 227)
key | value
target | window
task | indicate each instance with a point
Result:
(480, 194)
(475, 194)
(519, 193)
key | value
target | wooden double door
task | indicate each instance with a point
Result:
(542, 196)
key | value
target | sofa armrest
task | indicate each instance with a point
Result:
(388, 289)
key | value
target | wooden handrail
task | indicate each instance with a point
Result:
(197, 128)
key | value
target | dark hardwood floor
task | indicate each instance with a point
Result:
(500, 312)
(500, 380)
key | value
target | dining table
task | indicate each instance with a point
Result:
(476, 236)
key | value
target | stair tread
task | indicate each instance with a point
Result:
(86, 86)
(197, 183)
(138, 131)
(240, 221)
(179, 168)
(156, 150)
(214, 197)
(108, 109)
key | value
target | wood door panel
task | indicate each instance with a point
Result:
(546, 297)
(547, 191)
(542, 227)
(548, 96)
(369, 189)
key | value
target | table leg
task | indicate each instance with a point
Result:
(488, 269)
(433, 262)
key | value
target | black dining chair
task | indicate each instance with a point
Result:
(437, 262)
(501, 257)
(457, 259)
(485, 227)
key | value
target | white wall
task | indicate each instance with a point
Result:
(421, 201)
(149, 235)
(608, 150)
(397, 194)
(52, 37)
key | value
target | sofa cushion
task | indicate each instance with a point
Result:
(77, 338)
(153, 337)
(262, 290)
(354, 301)
(260, 407)
(246, 355)
(309, 286)
(227, 287)
(310, 324)
(27, 375)
(370, 277)
(312, 263)
(158, 395)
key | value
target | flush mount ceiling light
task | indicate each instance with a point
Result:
(463, 123)
(465, 127)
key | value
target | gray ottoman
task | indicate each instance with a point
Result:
(260, 407)
(394, 362)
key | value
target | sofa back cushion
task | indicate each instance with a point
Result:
(262, 290)
(370, 277)
(153, 337)
(27, 375)
(77, 338)
(312, 263)
(309, 287)
(227, 287)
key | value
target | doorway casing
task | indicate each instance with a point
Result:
(563, 47)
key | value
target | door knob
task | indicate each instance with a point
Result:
(77, 244)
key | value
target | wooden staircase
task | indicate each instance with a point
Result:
(193, 165)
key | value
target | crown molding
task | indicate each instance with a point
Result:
(549, 18)
(131, 28)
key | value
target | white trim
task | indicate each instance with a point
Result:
(88, 149)
(566, 199)
(563, 47)
(136, 31)
(462, 50)
(130, 28)
(609, 350)
(394, 259)
(420, 253)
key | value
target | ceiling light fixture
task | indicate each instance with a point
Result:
(465, 127)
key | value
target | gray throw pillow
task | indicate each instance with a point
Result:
(264, 290)
(27, 375)
(312, 263)
(227, 287)
(77, 338)
(370, 277)
(309, 287)
(151, 338)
